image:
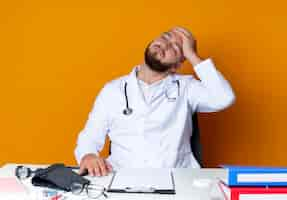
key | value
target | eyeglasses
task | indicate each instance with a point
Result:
(93, 191)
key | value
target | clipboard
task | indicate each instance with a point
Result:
(160, 181)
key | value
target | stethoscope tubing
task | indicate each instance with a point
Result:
(129, 111)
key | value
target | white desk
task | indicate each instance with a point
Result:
(184, 178)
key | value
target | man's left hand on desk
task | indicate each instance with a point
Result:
(94, 165)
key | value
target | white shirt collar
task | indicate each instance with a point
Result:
(161, 82)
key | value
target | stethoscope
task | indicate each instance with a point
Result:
(129, 111)
(22, 172)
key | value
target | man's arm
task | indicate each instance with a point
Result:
(92, 139)
(212, 92)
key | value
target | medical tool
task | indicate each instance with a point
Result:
(129, 111)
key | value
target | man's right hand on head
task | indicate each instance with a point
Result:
(95, 165)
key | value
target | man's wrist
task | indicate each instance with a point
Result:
(194, 59)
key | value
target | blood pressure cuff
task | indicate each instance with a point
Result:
(58, 176)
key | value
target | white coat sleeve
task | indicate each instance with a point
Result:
(212, 92)
(92, 138)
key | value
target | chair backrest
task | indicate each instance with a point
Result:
(195, 140)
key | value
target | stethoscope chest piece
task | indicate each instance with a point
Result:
(127, 111)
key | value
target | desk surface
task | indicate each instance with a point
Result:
(185, 184)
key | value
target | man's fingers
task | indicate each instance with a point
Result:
(97, 171)
(183, 30)
(91, 170)
(109, 166)
(181, 34)
(94, 165)
(184, 38)
(102, 167)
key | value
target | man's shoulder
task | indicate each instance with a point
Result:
(184, 78)
(118, 82)
(186, 81)
(115, 85)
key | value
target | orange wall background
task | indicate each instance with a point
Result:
(56, 55)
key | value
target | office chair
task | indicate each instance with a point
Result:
(194, 141)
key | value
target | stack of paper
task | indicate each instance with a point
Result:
(256, 183)
(143, 180)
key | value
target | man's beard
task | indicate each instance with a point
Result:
(155, 64)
